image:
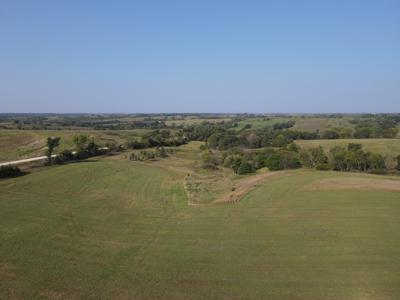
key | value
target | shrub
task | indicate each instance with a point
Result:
(245, 168)
(233, 161)
(64, 156)
(9, 171)
(210, 160)
(82, 154)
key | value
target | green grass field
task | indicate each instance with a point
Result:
(389, 147)
(20, 144)
(111, 228)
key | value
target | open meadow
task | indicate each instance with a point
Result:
(111, 228)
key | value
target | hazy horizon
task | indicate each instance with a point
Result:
(231, 56)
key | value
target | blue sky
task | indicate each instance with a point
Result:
(200, 56)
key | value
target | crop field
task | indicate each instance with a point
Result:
(389, 147)
(112, 228)
(20, 144)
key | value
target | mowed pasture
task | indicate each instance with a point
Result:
(390, 147)
(20, 144)
(111, 228)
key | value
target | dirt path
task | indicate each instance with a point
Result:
(244, 186)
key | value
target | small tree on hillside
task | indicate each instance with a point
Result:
(52, 143)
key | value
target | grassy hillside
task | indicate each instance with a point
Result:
(111, 228)
(20, 144)
(384, 146)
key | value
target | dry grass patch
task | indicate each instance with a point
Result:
(360, 184)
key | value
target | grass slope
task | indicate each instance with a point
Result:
(119, 229)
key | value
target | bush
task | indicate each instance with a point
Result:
(64, 156)
(82, 154)
(9, 171)
(233, 161)
(210, 160)
(245, 168)
(161, 152)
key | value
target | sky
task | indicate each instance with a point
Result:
(216, 56)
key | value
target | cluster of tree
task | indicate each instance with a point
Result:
(202, 131)
(380, 126)
(9, 171)
(253, 139)
(352, 158)
(160, 152)
(158, 138)
(223, 136)
(245, 162)
(84, 149)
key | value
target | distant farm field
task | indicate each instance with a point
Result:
(320, 124)
(389, 147)
(112, 228)
(20, 144)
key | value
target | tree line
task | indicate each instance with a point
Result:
(353, 158)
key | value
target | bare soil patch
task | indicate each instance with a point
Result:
(363, 184)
